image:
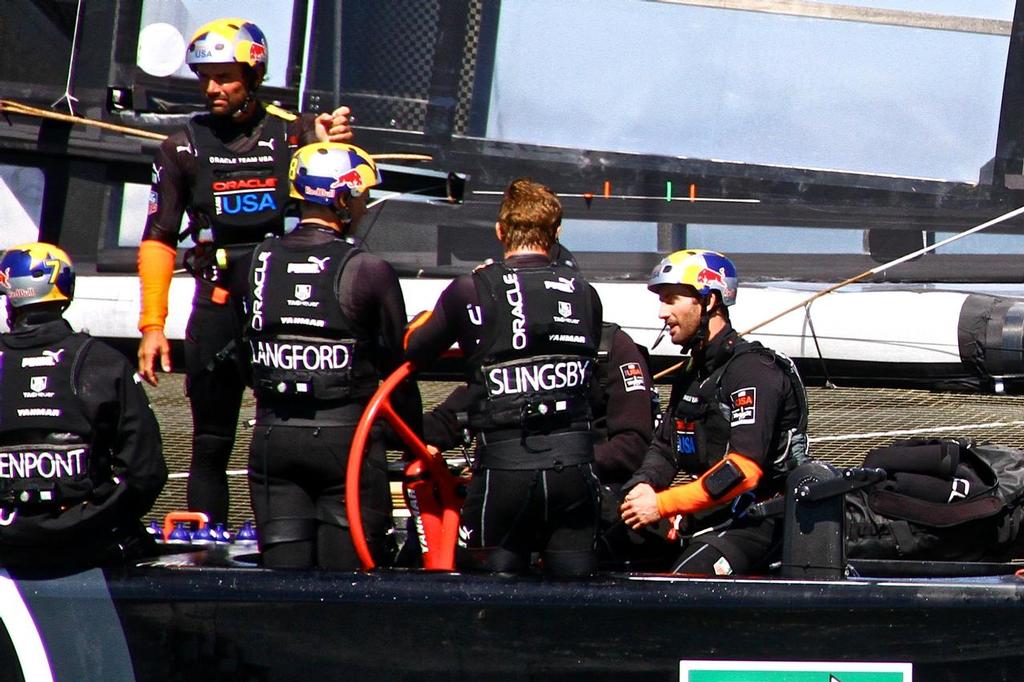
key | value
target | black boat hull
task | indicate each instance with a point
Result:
(246, 623)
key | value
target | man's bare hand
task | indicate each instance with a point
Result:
(640, 507)
(153, 345)
(335, 126)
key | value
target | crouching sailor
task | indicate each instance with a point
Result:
(81, 459)
(737, 419)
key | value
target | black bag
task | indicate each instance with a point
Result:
(948, 499)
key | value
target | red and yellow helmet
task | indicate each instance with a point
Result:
(320, 171)
(705, 271)
(227, 40)
(36, 273)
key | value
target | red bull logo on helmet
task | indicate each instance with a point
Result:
(349, 180)
(257, 53)
(709, 276)
(716, 272)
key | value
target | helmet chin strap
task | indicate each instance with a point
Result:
(344, 217)
(37, 313)
(250, 96)
(243, 106)
(699, 341)
(342, 212)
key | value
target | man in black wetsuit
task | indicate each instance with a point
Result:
(529, 329)
(623, 400)
(80, 453)
(324, 322)
(228, 170)
(737, 419)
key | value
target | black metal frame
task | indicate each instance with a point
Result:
(81, 157)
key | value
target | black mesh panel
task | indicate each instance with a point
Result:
(387, 58)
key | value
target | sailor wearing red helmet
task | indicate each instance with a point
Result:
(736, 419)
(228, 170)
(80, 451)
(324, 323)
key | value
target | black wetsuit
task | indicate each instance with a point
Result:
(81, 459)
(739, 402)
(528, 492)
(335, 336)
(622, 398)
(215, 377)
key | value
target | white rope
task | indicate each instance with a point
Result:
(71, 99)
(310, 10)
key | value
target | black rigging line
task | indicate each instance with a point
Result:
(817, 347)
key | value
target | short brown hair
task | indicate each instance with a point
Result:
(529, 216)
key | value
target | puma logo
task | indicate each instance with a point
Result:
(566, 285)
(54, 355)
(312, 266)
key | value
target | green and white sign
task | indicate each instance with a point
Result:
(793, 671)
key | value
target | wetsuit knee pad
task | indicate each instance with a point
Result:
(211, 447)
(703, 559)
(569, 563)
(501, 560)
(278, 531)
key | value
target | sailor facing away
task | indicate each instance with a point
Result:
(81, 458)
(324, 322)
(530, 330)
(623, 402)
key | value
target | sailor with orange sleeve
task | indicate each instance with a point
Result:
(736, 420)
(228, 169)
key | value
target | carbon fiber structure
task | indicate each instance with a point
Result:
(389, 53)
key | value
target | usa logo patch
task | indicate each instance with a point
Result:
(632, 376)
(686, 441)
(744, 406)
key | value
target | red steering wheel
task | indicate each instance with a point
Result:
(432, 491)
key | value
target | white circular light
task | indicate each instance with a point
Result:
(161, 49)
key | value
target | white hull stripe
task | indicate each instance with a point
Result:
(28, 643)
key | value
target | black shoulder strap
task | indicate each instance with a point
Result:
(604, 351)
(353, 250)
(79, 346)
(486, 280)
(739, 348)
(783, 362)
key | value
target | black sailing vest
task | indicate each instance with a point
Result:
(535, 365)
(301, 342)
(242, 196)
(45, 433)
(703, 419)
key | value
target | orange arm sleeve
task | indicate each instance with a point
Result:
(691, 497)
(156, 267)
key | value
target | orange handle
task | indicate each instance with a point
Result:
(174, 518)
